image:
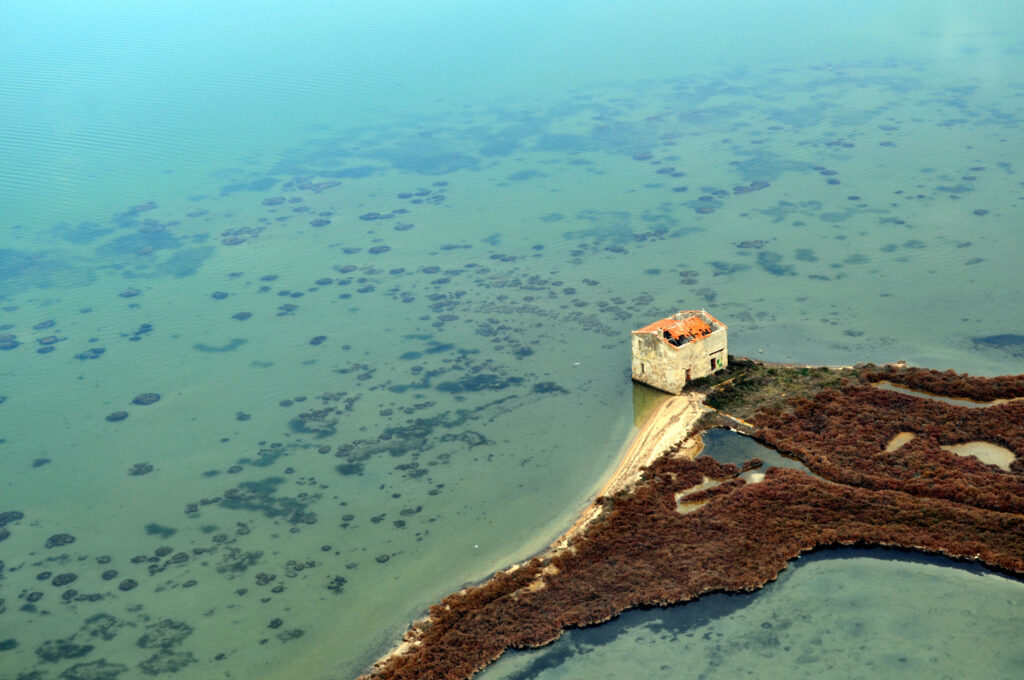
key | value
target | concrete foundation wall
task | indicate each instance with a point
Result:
(669, 368)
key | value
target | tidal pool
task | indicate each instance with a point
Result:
(727, 446)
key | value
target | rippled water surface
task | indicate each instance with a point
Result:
(376, 267)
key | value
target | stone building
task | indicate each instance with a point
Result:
(669, 353)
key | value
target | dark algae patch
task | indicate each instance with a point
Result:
(53, 651)
(1011, 343)
(643, 552)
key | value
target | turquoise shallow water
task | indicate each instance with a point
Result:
(380, 266)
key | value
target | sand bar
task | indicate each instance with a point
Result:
(670, 424)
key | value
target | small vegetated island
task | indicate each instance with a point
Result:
(892, 466)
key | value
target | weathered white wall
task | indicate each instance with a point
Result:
(664, 366)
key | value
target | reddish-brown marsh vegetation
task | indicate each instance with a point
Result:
(643, 552)
(948, 383)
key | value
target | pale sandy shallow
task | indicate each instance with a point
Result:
(986, 452)
(671, 423)
(898, 441)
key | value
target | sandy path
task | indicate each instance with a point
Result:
(671, 423)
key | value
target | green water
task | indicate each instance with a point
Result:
(461, 359)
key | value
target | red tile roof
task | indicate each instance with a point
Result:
(694, 327)
(691, 328)
(664, 324)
